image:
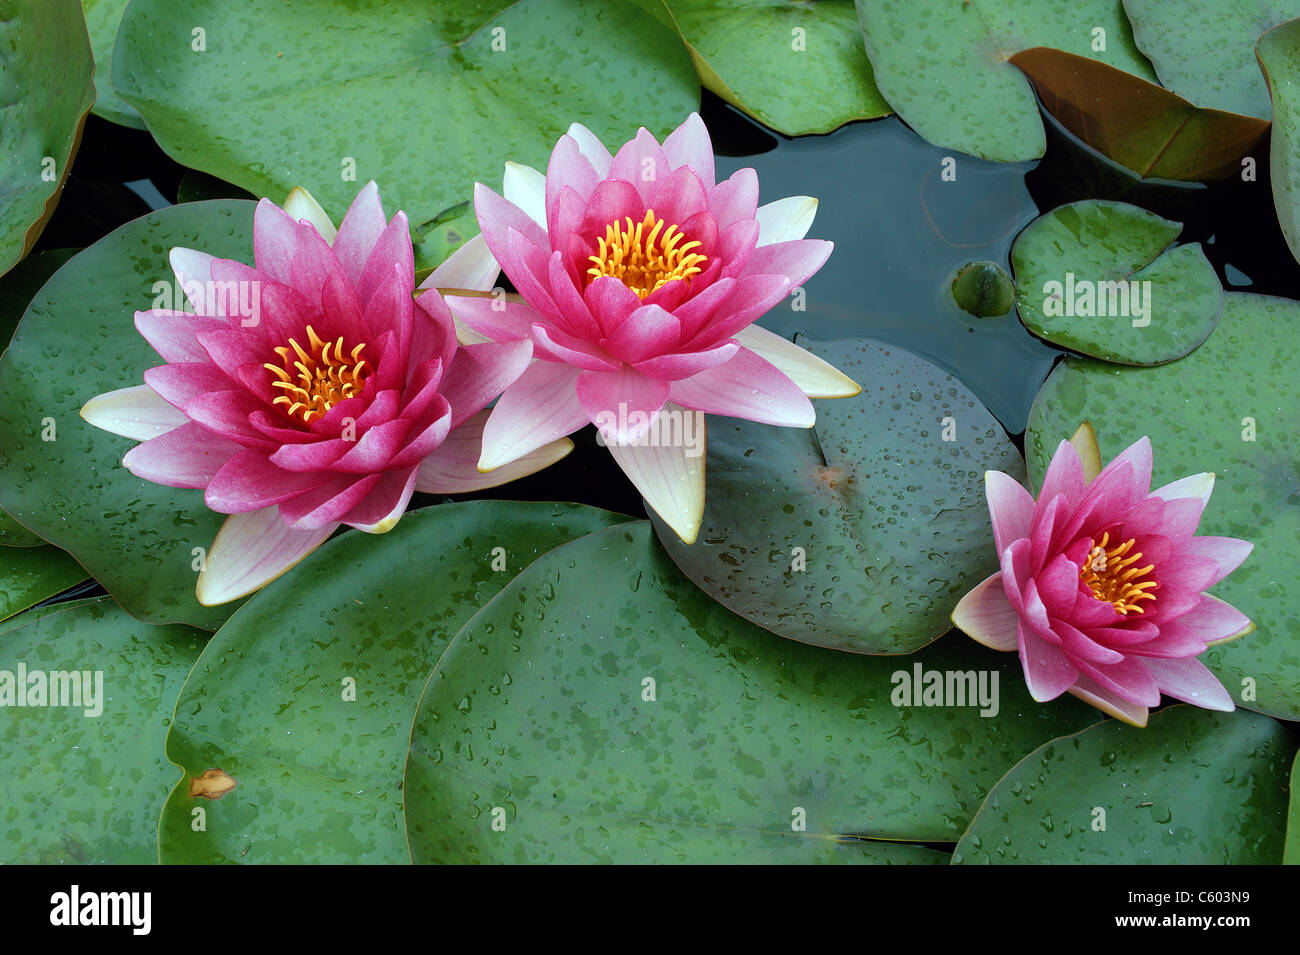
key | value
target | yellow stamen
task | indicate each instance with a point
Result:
(321, 380)
(1113, 578)
(641, 258)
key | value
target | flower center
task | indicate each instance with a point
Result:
(1113, 578)
(642, 258)
(315, 379)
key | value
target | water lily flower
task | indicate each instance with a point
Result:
(311, 390)
(641, 277)
(1102, 580)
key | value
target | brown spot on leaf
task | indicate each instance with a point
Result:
(212, 784)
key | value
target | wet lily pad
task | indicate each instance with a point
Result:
(102, 20)
(862, 533)
(639, 721)
(46, 64)
(798, 68)
(29, 575)
(80, 787)
(945, 66)
(425, 99)
(63, 478)
(1201, 49)
(1279, 57)
(1192, 788)
(324, 667)
(1291, 853)
(1228, 407)
(1095, 277)
(17, 288)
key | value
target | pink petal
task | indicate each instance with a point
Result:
(193, 271)
(1128, 679)
(479, 373)
(1048, 671)
(539, 407)
(496, 217)
(328, 503)
(1188, 680)
(797, 260)
(646, 333)
(613, 200)
(1174, 640)
(592, 148)
(499, 319)
(1215, 621)
(188, 456)
(622, 403)
(1108, 702)
(179, 383)
(381, 509)
(172, 333)
(275, 240)
(689, 145)
(611, 302)
(746, 386)
(310, 456)
(1227, 552)
(374, 449)
(680, 365)
(641, 161)
(679, 196)
(985, 615)
(250, 551)
(1078, 646)
(555, 345)
(1011, 508)
(749, 298)
(248, 482)
(1050, 515)
(452, 467)
(1058, 586)
(227, 413)
(392, 254)
(430, 432)
(1064, 476)
(569, 169)
(360, 230)
(735, 199)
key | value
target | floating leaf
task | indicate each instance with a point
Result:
(46, 64)
(425, 99)
(80, 787)
(1201, 49)
(944, 65)
(17, 288)
(639, 721)
(324, 667)
(1192, 788)
(1291, 853)
(798, 68)
(863, 533)
(78, 340)
(983, 289)
(1228, 407)
(1278, 51)
(29, 575)
(102, 20)
(1095, 277)
(1142, 126)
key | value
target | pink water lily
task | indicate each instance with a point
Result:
(310, 390)
(1102, 580)
(641, 277)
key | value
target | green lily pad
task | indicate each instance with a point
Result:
(1291, 852)
(29, 575)
(1228, 407)
(80, 788)
(425, 98)
(798, 68)
(1278, 51)
(1095, 277)
(46, 64)
(17, 288)
(1201, 49)
(102, 20)
(437, 238)
(1192, 788)
(944, 65)
(366, 617)
(864, 532)
(639, 721)
(78, 340)
(195, 186)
